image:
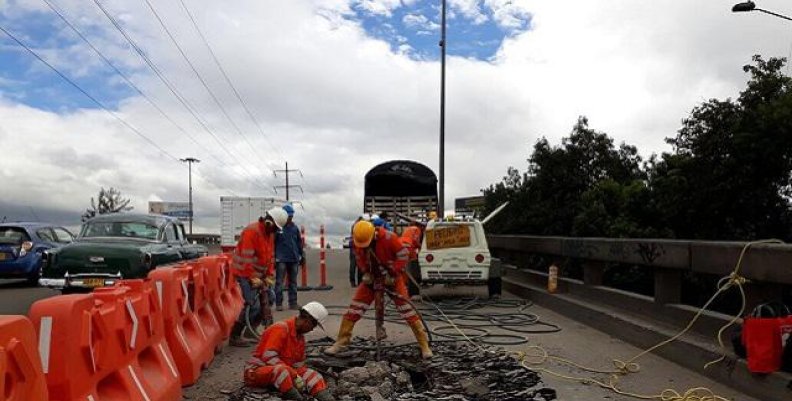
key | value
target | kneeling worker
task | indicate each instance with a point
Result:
(279, 358)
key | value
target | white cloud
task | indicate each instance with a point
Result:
(419, 22)
(470, 9)
(337, 102)
(507, 13)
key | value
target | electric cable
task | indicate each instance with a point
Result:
(135, 87)
(187, 105)
(200, 78)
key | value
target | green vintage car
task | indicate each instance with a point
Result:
(117, 246)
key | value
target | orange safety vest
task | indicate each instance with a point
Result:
(411, 237)
(255, 252)
(389, 251)
(280, 344)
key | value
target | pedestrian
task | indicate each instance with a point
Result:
(288, 256)
(254, 268)
(380, 256)
(279, 358)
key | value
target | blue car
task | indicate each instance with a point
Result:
(22, 246)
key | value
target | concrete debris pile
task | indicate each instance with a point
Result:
(458, 372)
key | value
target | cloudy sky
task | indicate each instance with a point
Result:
(336, 87)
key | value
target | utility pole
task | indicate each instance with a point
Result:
(287, 186)
(190, 161)
(441, 201)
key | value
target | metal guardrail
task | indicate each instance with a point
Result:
(768, 266)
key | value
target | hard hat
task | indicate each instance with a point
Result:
(374, 217)
(432, 215)
(362, 233)
(279, 216)
(289, 209)
(317, 311)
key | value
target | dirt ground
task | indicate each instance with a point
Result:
(575, 341)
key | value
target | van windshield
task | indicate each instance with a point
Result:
(450, 235)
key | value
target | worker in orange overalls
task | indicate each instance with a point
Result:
(380, 253)
(254, 268)
(411, 238)
(279, 358)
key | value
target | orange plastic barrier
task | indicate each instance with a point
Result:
(201, 296)
(106, 346)
(225, 308)
(20, 366)
(190, 345)
(232, 287)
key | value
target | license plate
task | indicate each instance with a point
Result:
(93, 282)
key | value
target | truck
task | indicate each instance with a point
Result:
(400, 187)
(239, 211)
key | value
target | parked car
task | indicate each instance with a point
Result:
(117, 246)
(22, 246)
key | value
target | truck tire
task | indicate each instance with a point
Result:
(414, 269)
(494, 283)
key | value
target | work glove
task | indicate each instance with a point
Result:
(256, 282)
(269, 281)
(299, 384)
(389, 280)
(367, 279)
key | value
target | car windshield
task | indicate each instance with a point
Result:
(13, 236)
(126, 229)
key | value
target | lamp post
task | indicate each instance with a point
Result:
(441, 201)
(190, 161)
(749, 6)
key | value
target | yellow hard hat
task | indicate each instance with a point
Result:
(362, 233)
(432, 215)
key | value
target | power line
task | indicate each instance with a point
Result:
(166, 82)
(88, 95)
(228, 79)
(200, 78)
(135, 87)
(287, 186)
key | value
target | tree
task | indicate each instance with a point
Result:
(728, 177)
(109, 201)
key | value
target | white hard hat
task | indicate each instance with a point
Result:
(365, 216)
(317, 311)
(374, 216)
(279, 216)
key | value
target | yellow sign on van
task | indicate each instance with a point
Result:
(448, 237)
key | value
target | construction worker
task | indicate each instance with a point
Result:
(288, 255)
(381, 256)
(254, 270)
(411, 238)
(279, 358)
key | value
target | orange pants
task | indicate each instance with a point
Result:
(282, 378)
(364, 296)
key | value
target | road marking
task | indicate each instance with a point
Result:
(45, 339)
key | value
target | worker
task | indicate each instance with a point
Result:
(253, 267)
(411, 238)
(279, 358)
(379, 253)
(288, 255)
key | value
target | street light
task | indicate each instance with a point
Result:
(190, 161)
(749, 6)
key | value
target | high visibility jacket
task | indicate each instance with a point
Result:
(281, 344)
(389, 253)
(411, 238)
(254, 253)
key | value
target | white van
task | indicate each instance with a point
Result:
(456, 252)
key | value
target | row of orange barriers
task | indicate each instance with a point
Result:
(139, 340)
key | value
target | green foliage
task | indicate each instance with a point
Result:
(109, 201)
(727, 178)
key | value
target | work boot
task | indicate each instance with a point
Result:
(324, 395)
(423, 339)
(381, 333)
(236, 339)
(344, 337)
(293, 394)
